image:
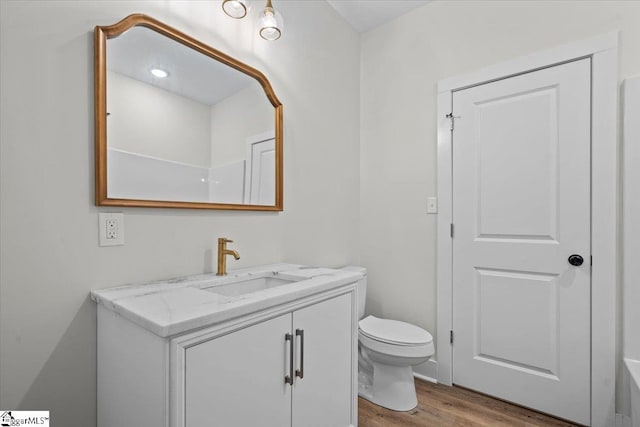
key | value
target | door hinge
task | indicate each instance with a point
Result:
(453, 119)
(451, 231)
(591, 260)
(450, 337)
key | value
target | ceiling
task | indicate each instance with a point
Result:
(191, 74)
(364, 15)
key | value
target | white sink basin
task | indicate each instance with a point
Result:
(247, 286)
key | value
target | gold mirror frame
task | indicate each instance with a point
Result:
(101, 35)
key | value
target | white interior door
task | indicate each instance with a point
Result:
(521, 208)
(261, 172)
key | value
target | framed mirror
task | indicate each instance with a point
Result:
(179, 124)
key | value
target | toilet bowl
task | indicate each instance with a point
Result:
(387, 351)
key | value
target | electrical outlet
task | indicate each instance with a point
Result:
(111, 229)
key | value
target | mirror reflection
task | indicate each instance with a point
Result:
(184, 127)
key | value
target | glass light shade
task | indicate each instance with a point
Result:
(270, 24)
(235, 8)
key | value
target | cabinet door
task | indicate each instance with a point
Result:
(324, 396)
(238, 379)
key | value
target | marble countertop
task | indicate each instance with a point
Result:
(175, 306)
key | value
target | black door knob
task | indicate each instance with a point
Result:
(576, 260)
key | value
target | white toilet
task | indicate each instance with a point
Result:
(388, 350)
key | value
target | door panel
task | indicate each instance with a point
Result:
(530, 302)
(521, 207)
(324, 396)
(527, 200)
(227, 387)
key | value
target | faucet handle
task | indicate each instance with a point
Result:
(224, 240)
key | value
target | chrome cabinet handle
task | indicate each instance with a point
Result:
(288, 379)
(300, 372)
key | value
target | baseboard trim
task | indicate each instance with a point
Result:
(427, 371)
(423, 378)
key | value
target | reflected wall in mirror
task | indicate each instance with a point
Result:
(180, 124)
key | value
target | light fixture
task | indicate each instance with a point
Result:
(270, 19)
(159, 73)
(270, 23)
(235, 8)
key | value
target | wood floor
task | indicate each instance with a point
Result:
(443, 406)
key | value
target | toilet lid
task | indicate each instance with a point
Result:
(394, 331)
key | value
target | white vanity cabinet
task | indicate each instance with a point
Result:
(238, 379)
(175, 368)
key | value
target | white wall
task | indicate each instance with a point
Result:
(236, 118)
(401, 63)
(50, 258)
(145, 119)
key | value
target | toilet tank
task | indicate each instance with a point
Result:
(362, 287)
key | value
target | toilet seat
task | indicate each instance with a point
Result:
(394, 332)
(394, 350)
(394, 338)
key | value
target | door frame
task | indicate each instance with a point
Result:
(603, 51)
(248, 165)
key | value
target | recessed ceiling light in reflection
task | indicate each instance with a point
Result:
(159, 73)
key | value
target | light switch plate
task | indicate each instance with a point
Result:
(111, 229)
(432, 205)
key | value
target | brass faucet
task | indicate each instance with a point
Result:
(222, 252)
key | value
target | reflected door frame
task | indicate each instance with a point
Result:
(603, 51)
(249, 169)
